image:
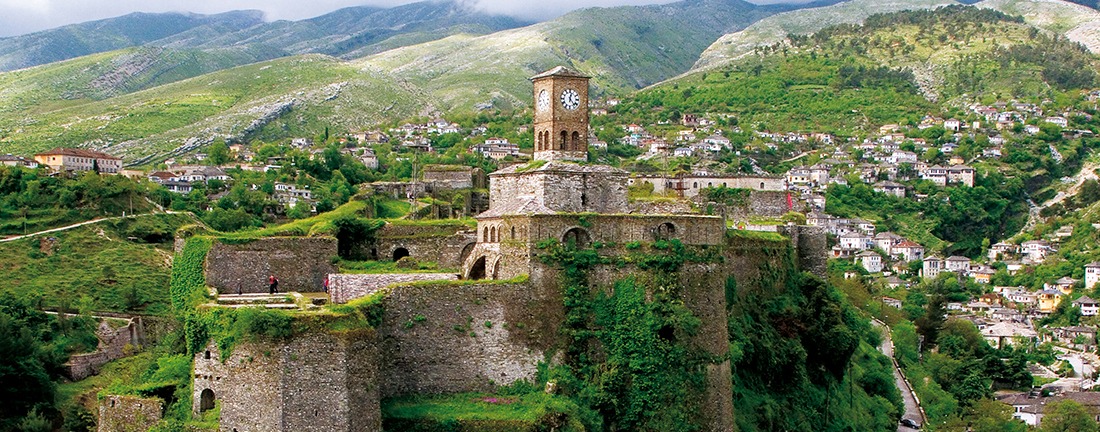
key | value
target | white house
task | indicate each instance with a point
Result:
(872, 262)
(1092, 275)
(909, 251)
(957, 264)
(855, 241)
(932, 267)
(1089, 307)
(953, 125)
(886, 241)
(1058, 121)
(1035, 250)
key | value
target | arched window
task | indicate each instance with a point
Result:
(564, 138)
(575, 141)
(695, 185)
(761, 185)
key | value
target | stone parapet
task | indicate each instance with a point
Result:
(347, 287)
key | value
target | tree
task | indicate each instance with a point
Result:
(1068, 416)
(929, 324)
(218, 153)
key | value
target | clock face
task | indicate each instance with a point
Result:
(570, 100)
(544, 100)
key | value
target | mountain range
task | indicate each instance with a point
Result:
(360, 66)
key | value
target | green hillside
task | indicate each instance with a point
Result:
(623, 48)
(295, 94)
(1078, 23)
(852, 79)
(801, 22)
(95, 266)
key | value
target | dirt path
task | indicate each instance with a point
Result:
(79, 224)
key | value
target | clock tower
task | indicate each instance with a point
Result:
(561, 115)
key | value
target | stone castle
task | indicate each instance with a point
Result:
(426, 343)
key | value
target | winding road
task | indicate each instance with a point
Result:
(913, 410)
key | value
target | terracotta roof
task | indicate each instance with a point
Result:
(907, 244)
(78, 153)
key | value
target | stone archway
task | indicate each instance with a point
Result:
(576, 237)
(400, 253)
(206, 400)
(477, 271)
(665, 231)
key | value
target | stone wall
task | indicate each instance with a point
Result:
(317, 381)
(758, 203)
(462, 337)
(561, 187)
(511, 256)
(128, 413)
(811, 247)
(449, 176)
(300, 264)
(691, 186)
(346, 287)
(444, 244)
(114, 343)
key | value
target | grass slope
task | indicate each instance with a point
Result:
(95, 262)
(295, 95)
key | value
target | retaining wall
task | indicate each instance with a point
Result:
(300, 264)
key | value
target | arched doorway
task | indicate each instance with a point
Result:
(575, 238)
(400, 253)
(206, 400)
(477, 271)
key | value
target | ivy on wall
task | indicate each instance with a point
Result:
(626, 356)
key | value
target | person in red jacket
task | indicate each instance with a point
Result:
(273, 284)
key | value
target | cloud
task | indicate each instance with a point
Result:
(25, 16)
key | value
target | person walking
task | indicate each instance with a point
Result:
(273, 284)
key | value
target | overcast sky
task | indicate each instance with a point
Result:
(25, 16)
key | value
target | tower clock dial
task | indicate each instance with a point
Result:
(544, 100)
(570, 100)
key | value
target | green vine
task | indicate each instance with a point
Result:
(188, 285)
(626, 355)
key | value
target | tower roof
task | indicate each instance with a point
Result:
(561, 71)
